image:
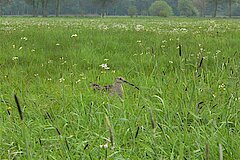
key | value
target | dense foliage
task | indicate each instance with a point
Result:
(186, 8)
(160, 8)
(117, 7)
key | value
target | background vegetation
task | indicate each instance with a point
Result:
(117, 7)
(187, 71)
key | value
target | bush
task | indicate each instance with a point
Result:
(160, 8)
(132, 10)
(186, 8)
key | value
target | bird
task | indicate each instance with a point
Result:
(114, 89)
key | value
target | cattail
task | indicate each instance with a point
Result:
(66, 142)
(18, 106)
(86, 146)
(110, 131)
(200, 64)
(180, 50)
(58, 131)
(207, 151)
(137, 132)
(152, 120)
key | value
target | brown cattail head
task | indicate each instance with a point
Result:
(18, 106)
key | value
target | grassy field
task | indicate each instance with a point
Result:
(188, 72)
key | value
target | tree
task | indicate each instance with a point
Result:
(186, 8)
(132, 10)
(57, 8)
(44, 8)
(230, 7)
(215, 4)
(34, 4)
(200, 5)
(174, 5)
(160, 8)
(3, 2)
(103, 5)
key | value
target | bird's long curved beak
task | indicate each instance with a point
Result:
(130, 84)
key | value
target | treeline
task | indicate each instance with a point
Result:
(121, 7)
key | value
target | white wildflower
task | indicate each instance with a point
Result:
(78, 81)
(139, 27)
(74, 35)
(24, 38)
(61, 80)
(104, 66)
(50, 61)
(14, 58)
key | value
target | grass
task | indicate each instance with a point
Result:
(187, 106)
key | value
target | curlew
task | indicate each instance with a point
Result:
(114, 89)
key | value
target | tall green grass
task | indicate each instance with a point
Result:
(187, 106)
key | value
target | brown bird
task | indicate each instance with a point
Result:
(114, 89)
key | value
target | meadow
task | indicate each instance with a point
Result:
(187, 71)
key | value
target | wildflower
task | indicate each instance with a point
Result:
(9, 110)
(14, 46)
(49, 79)
(106, 59)
(24, 38)
(222, 86)
(78, 81)
(74, 35)
(170, 62)
(64, 62)
(50, 61)
(218, 51)
(139, 41)
(104, 146)
(139, 27)
(36, 75)
(14, 58)
(57, 44)
(104, 66)
(61, 80)
(164, 41)
(33, 50)
(82, 74)
(20, 48)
